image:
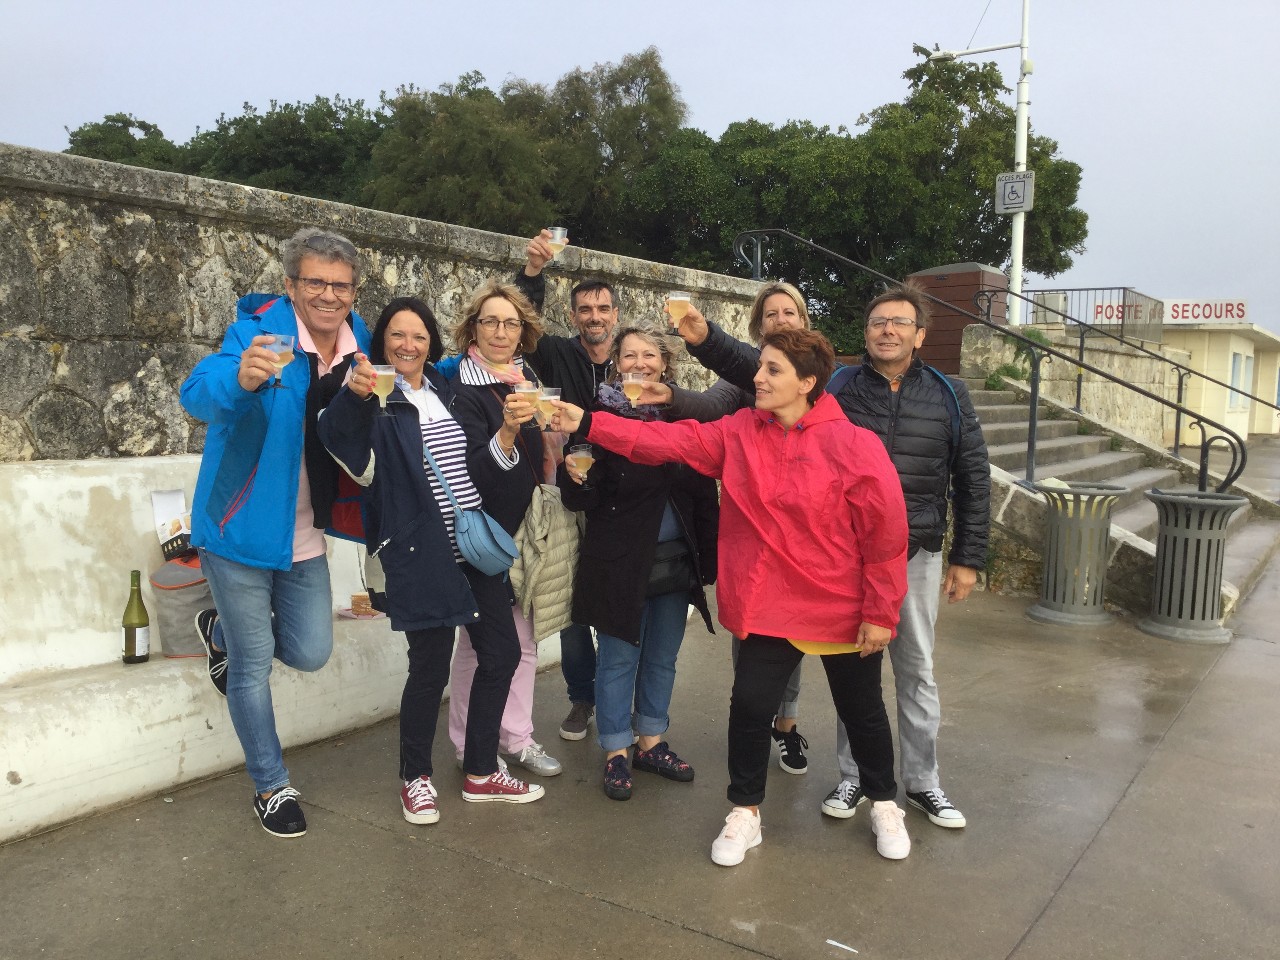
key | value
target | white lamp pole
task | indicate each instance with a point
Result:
(1021, 122)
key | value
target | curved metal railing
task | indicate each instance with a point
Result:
(754, 257)
(1180, 370)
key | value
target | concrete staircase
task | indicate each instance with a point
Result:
(1072, 448)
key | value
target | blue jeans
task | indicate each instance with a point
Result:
(263, 615)
(578, 663)
(643, 674)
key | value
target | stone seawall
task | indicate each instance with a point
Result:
(115, 281)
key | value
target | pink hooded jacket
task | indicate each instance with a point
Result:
(813, 529)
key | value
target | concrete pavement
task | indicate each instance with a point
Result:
(1120, 791)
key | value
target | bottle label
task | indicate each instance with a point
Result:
(141, 640)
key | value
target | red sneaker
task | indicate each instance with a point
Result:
(501, 786)
(418, 801)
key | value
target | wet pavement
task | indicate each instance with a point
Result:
(1120, 792)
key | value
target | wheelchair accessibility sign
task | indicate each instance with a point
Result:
(1015, 192)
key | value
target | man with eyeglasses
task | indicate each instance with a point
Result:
(928, 424)
(577, 365)
(265, 493)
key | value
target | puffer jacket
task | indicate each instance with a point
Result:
(542, 576)
(915, 425)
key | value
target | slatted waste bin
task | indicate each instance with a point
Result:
(1191, 540)
(1077, 542)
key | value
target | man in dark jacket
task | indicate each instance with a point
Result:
(577, 365)
(914, 411)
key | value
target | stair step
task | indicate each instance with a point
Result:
(1249, 551)
(1001, 433)
(1106, 467)
(1139, 482)
(1002, 413)
(1013, 456)
(994, 397)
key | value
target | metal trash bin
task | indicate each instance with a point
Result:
(1186, 597)
(1077, 538)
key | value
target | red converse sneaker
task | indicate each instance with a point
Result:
(418, 801)
(501, 786)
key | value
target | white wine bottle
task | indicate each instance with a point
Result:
(135, 627)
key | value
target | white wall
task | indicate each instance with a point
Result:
(79, 730)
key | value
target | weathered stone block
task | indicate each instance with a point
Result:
(84, 297)
(15, 443)
(28, 370)
(19, 286)
(66, 427)
(92, 370)
(143, 416)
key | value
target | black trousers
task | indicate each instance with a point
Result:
(759, 679)
(497, 648)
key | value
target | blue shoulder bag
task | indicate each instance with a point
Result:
(481, 540)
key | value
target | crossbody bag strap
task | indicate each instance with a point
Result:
(426, 452)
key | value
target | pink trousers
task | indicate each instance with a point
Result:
(516, 732)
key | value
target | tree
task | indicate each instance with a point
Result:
(457, 155)
(912, 190)
(122, 138)
(319, 149)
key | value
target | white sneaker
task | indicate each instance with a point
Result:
(534, 759)
(892, 841)
(741, 832)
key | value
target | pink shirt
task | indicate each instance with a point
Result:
(308, 542)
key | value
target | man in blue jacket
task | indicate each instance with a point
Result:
(265, 494)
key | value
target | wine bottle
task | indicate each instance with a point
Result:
(135, 627)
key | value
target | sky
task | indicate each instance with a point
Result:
(1164, 103)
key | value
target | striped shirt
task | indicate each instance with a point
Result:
(443, 436)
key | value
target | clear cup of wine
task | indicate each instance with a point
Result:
(281, 344)
(580, 457)
(545, 396)
(633, 386)
(384, 381)
(677, 307)
(559, 239)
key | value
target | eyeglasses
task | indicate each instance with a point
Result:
(491, 325)
(899, 323)
(316, 286)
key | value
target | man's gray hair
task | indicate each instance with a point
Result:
(325, 244)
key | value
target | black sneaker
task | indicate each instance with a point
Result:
(938, 808)
(843, 801)
(281, 814)
(792, 746)
(216, 659)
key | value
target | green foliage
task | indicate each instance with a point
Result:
(603, 152)
(457, 156)
(318, 149)
(1013, 371)
(122, 138)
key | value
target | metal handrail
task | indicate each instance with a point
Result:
(1181, 371)
(1038, 351)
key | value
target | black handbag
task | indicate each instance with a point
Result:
(672, 570)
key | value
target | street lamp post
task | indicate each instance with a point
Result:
(1021, 115)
